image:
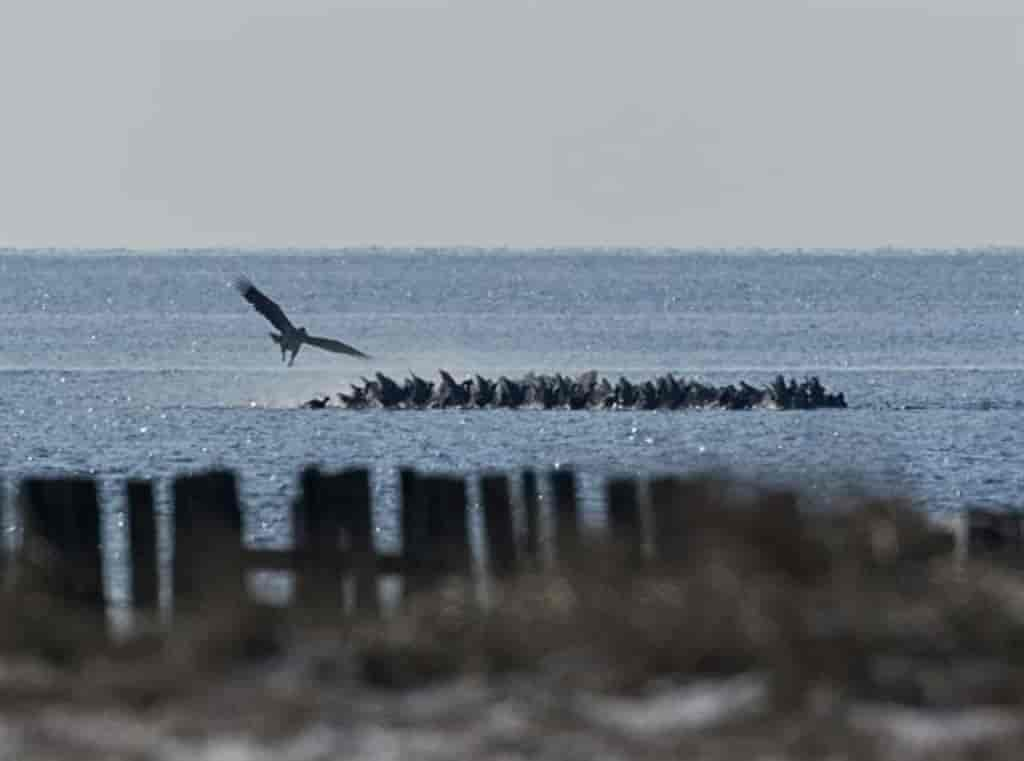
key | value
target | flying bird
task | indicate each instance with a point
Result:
(290, 339)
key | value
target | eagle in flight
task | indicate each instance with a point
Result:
(290, 339)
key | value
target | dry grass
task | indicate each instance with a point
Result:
(866, 606)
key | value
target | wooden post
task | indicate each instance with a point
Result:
(62, 540)
(354, 488)
(415, 534)
(444, 499)
(5, 547)
(567, 522)
(501, 542)
(624, 518)
(316, 519)
(208, 558)
(669, 525)
(531, 508)
(142, 545)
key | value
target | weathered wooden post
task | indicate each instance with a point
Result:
(208, 567)
(447, 507)
(624, 518)
(316, 519)
(335, 506)
(142, 545)
(4, 546)
(669, 523)
(354, 488)
(435, 529)
(567, 521)
(531, 524)
(415, 534)
(501, 540)
(61, 553)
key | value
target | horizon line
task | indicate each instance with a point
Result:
(506, 248)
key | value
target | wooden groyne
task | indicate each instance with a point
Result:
(585, 391)
(652, 526)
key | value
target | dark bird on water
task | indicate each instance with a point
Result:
(290, 339)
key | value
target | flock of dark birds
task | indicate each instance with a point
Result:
(585, 392)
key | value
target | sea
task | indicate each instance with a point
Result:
(148, 364)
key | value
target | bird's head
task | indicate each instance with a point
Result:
(302, 332)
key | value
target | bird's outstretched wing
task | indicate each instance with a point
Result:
(264, 305)
(336, 346)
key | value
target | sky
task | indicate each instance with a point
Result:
(308, 123)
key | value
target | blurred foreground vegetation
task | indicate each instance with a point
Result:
(797, 624)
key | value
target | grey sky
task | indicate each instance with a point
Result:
(145, 123)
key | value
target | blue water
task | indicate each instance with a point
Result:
(148, 364)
